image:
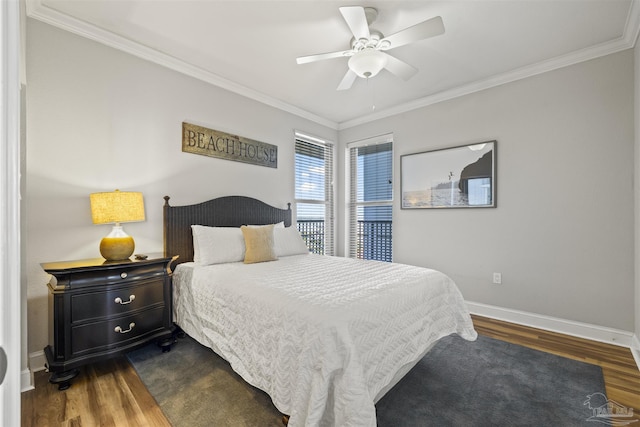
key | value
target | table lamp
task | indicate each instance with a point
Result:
(114, 208)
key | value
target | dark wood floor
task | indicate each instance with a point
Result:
(111, 394)
(105, 394)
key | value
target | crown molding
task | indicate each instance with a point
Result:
(36, 10)
(632, 27)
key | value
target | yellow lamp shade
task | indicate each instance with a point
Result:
(116, 207)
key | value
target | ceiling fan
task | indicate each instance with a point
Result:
(366, 56)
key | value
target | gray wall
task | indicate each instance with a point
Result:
(99, 119)
(562, 234)
(636, 117)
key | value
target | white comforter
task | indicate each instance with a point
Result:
(323, 336)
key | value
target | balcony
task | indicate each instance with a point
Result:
(312, 232)
(373, 238)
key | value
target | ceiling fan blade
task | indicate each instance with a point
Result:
(429, 28)
(347, 80)
(323, 56)
(356, 20)
(399, 68)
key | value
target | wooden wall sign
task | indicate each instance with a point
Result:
(213, 143)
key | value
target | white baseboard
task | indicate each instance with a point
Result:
(635, 349)
(26, 380)
(37, 361)
(554, 324)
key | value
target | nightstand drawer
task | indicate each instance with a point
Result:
(95, 305)
(91, 337)
(122, 273)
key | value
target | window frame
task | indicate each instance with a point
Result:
(330, 193)
(350, 205)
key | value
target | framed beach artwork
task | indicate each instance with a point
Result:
(455, 177)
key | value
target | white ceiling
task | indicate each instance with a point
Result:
(250, 47)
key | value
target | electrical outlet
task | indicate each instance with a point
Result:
(497, 278)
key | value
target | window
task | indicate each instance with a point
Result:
(314, 193)
(370, 199)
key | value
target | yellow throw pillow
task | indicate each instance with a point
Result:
(258, 242)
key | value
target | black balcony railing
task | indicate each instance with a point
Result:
(312, 232)
(373, 238)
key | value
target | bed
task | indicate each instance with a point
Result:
(325, 337)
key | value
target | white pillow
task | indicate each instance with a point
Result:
(277, 225)
(288, 241)
(217, 245)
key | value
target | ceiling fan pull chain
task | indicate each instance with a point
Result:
(373, 94)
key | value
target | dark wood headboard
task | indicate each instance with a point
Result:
(228, 211)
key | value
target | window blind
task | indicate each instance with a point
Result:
(314, 194)
(370, 201)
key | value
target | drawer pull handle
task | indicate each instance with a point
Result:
(123, 275)
(119, 329)
(118, 300)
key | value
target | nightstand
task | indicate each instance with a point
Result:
(100, 309)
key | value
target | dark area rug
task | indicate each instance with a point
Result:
(491, 383)
(458, 383)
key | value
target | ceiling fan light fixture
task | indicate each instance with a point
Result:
(384, 45)
(367, 63)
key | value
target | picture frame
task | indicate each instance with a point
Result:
(456, 177)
